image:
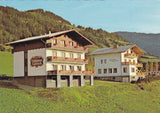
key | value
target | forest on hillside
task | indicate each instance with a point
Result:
(17, 25)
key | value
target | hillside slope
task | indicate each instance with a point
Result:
(148, 42)
(103, 97)
(16, 25)
(6, 63)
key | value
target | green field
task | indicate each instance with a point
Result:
(103, 97)
(6, 63)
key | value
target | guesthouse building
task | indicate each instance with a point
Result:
(118, 63)
(52, 60)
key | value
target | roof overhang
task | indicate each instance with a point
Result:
(137, 50)
(69, 32)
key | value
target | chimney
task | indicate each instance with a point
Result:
(116, 46)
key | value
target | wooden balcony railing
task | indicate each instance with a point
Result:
(52, 72)
(141, 73)
(130, 55)
(132, 63)
(67, 47)
(69, 72)
(66, 59)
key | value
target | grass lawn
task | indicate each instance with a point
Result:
(6, 63)
(103, 97)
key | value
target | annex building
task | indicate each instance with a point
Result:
(118, 63)
(52, 60)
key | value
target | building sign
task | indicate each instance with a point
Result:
(113, 60)
(36, 61)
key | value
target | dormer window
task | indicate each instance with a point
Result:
(71, 43)
(62, 42)
(54, 41)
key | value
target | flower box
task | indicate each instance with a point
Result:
(65, 44)
(72, 71)
(66, 58)
(55, 57)
(60, 70)
(76, 46)
(85, 59)
(85, 47)
(76, 58)
(83, 71)
(55, 44)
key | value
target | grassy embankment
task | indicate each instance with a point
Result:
(104, 97)
(6, 63)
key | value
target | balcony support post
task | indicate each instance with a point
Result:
(91, 80)
(82, 80)
(58, 81)
(70, 80)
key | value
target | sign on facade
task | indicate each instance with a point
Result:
(36, 61)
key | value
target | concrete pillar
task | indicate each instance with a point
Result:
(82, 80)
(58, 81)
(91, 80)
(71, 81)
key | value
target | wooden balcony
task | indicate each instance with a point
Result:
(69, 72)
(141, 73)
(130, 55)
(67, 47)
(66, 60)
(132, 63)
(52, 72)
(139, 65)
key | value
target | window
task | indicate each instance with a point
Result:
(55, 67)
(105, 61)
(63, 67)
(105, 71)
(125, 70)
(71, 43)
(99, 71)
(54, 53)
(79, 68)
(79, 56)
(54, 41)
(133, 69)
(71, 55)
(63, 54)
(125, 60)
(62, 42)
(115, 70)
(71, 68)
(101, 61)
(110, 70)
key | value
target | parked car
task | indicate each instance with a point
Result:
(5, 77)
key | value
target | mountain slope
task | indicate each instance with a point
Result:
(16, 25)
(148, 42)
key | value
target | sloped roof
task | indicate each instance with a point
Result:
(117, 50)
(48, 36)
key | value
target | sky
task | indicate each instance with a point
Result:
(110, 15)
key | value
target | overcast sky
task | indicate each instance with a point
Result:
(110, 15)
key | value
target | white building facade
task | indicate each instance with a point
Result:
(118, 63)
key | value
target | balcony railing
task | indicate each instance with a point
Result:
(132, 63)
(52, 72)
(67, 47)
(66, 59)
(69, 72)
(141, 73)
(130, 55)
